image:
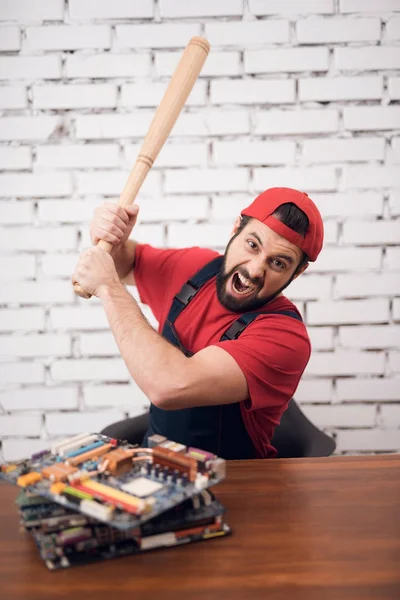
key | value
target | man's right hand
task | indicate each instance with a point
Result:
(113, 223)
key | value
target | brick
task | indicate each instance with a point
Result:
(250, 153)
(371, 233)
(394, 88)
(28, 425)
(156, 35)
(244, 34)
(38, 293)
(285, 122)
(286, 60)
(151, 93)
(118, 396)
(174, 208)
(321, 338)
(75, 96)
(368, 390)
(17, 267)
(15, 158)
(68, 37)
(368, 440)
(393, 28)
(346, 362)
(314, 390)
(396, 149)
(19, 212)
(396, 309)
(367, 58)
(390, 416)
(107, 65)
(22, 319)
(98, 344)
(10, 38)
(337, 29)
(394, 362)
(66, 211)
(349, 205)
(38, 238)
(375, 337)
(13, 97)
(31, 346)
(331, 89)
(357, 286)
(111, 183)
(77, 156)
(206, 180)
(348, 311)
(331, 233)
(113, 126)
(175, 9)
(71, 423)
(345, 417)
(369, 118)
(309, 179)
(28, 185)
(229, 206)
(59, 265)
(212, 122)
(253, 91)
(310, 287)
(172, 155)
(30, 68)
(81, 10)
(26, 10)
(77, 318)
(100, 369)
(17, 449)
(291, 7)
(217, 64)
(362, 177)
(40, 398)
(343, 150)
(213, 236)
(393, 259)
(338, 259)
(368, 6)
(21, 372)
(28, 128)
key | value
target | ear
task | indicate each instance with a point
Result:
(236, 225)
(300, 271)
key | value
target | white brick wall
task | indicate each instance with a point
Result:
(301, 93)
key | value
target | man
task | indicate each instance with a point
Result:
(233, 348)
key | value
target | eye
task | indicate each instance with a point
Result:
(278, 264)
(252, 244)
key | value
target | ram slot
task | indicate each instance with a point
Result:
(77, 445)
(88, 455)
(129, 503)
(58, 445)
(87, 448)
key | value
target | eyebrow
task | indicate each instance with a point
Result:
(284, 256)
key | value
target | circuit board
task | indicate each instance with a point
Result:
(66, 538)
(114, 482)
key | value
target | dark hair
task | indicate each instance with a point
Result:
(292, 217)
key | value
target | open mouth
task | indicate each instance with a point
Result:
(241, 285)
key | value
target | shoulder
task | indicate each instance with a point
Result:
(187, 260)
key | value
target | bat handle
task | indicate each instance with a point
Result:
(78, 289)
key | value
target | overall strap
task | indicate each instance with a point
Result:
(191, 287)
(233, 332)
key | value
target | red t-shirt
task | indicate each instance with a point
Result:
(272, 351)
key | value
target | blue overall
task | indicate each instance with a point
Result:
(218, 428)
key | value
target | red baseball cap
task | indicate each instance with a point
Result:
(266, 203)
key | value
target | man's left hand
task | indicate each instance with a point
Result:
(96, 271)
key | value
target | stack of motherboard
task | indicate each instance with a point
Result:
(91, 497)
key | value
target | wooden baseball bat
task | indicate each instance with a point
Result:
(176, 94)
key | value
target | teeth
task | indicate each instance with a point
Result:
(244, 281)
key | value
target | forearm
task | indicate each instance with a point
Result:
(124, 258)
(155, 365)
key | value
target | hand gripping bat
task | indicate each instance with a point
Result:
(176, 94)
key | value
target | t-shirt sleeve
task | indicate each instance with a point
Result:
(272, 353)
(160, 274)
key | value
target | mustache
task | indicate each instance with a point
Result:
(257, 281)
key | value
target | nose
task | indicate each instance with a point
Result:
(256, 269)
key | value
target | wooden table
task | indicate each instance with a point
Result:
(304, 529)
